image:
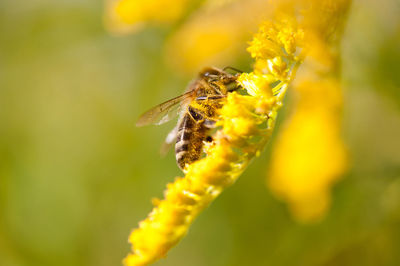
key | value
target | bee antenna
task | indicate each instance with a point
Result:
(232, 68)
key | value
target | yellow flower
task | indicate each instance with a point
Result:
(246, 123)
(278, 38)
(257, 84)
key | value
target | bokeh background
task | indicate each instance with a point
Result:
(76, 175)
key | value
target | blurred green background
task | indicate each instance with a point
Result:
(76, 175)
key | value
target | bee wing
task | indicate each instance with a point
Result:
(169, 141)
(163, 112)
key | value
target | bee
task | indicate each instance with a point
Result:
(197, 108)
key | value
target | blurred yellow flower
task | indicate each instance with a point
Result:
(215, 33)
(126, 16)
(309, 155)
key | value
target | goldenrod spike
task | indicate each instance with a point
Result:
(246, 122)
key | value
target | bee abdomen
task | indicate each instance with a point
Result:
(182, 154)
(189, 141)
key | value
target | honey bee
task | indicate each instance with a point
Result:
(197, 108)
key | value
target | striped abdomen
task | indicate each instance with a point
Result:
(189, 140)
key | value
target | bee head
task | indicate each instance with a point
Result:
(212, 74)
(222, 79)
